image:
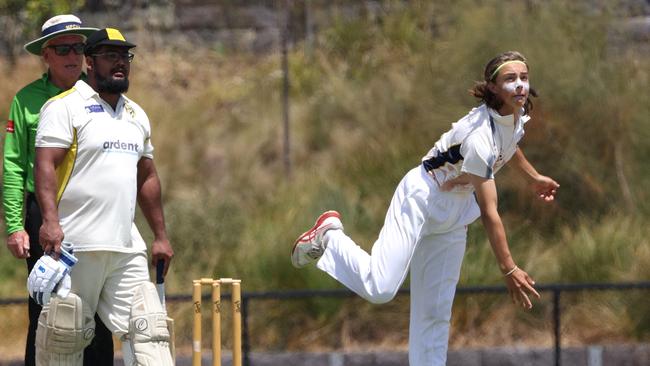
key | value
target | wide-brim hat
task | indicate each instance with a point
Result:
(57, 26)
(106, 37)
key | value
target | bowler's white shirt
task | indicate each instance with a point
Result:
(479, 143)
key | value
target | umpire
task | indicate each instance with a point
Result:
(61, 46)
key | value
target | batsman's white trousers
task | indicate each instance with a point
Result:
(105, 282)
(425, 231)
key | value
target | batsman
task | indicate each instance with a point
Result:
(94, 162)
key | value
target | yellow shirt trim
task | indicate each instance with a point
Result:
(64, 171)
(62, 94)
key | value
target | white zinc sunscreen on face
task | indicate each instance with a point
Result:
(511, 86)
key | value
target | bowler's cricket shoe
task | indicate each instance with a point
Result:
(309, 246)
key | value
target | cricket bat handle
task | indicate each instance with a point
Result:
(160, 281)
(160, 286)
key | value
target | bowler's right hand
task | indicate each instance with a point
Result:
(520, 286)
(18, 244)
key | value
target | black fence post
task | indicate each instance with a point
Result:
(556, 326)
(284, 34)
(246, 342)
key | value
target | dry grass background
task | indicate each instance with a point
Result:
(365, 107)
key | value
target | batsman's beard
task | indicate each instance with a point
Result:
(110, 85)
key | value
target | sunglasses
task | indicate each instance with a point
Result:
(64, 49)
(115, 56)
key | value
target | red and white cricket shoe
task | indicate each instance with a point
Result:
(309, 246)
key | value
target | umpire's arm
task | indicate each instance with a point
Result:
(149, 199)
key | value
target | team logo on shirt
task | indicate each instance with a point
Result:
(10, 126)
(121, 147)
(94, 108)
(129, 109)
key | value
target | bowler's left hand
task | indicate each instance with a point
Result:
(545, 188)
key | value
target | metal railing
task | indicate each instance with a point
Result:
(555, 289)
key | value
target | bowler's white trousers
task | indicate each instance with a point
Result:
(425, 231)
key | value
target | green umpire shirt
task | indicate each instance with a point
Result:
(19, 150)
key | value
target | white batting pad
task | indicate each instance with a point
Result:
(63, 331)
(148, 335)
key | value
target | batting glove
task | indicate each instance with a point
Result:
(50, 275)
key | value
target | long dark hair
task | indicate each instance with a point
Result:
(481, 91)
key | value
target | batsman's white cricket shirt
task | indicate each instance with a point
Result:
(97, 180)
(479, 143)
